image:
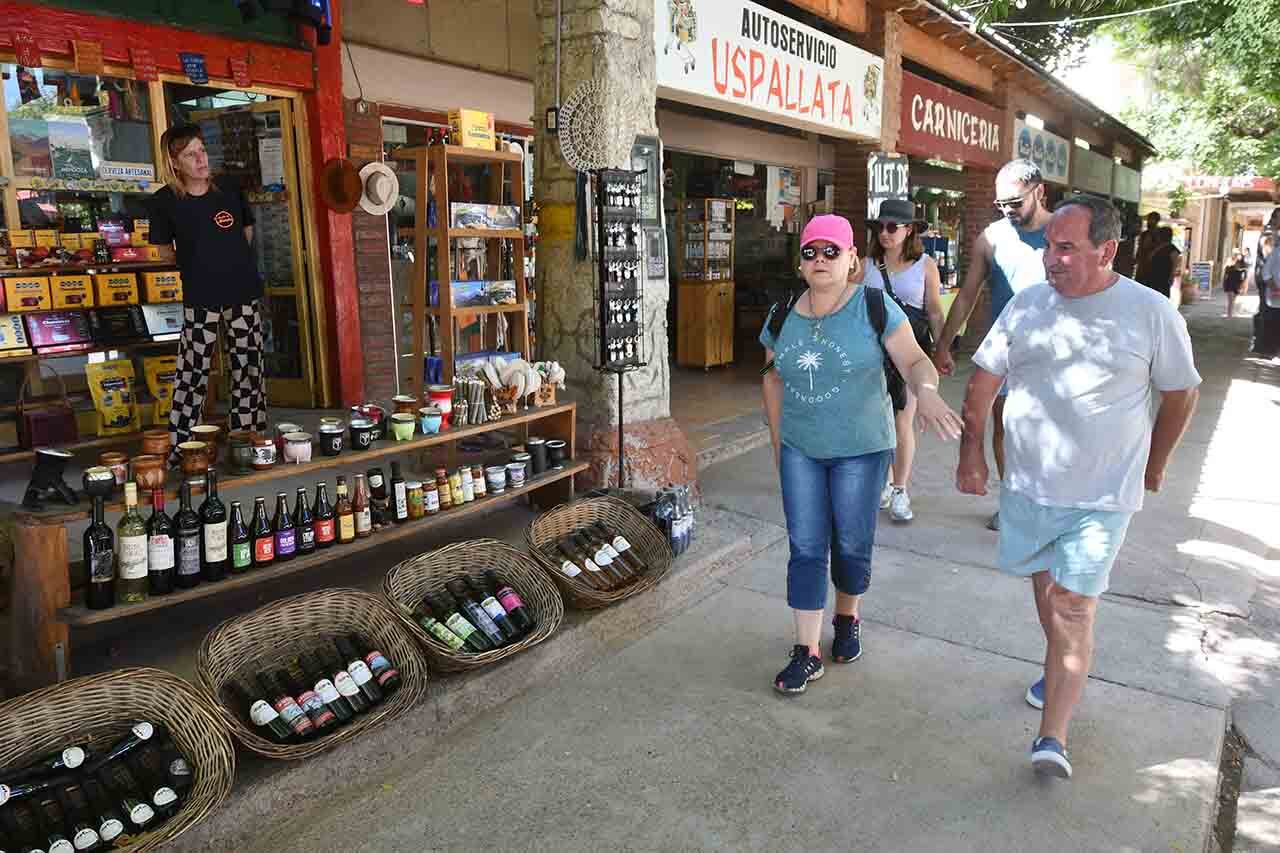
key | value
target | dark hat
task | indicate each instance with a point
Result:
(901, 211)
(340, 185)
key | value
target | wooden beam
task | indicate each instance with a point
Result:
(934, 53)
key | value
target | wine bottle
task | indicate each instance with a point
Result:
(213, 520)
(159, 547)
(379, 506)
(121, 790)
(517, 612)
(304, 524)
(48, 819)
(15, 833)
(99, 560)
(360, 507)
(623, 547)
(475, 613)
(154, 787)
(264, 538)
(23, 790)
(61, 761)
(286, 534)
(622, 564)
(324, 518)
(436, 628)
(187, 524)
(321, 717)
(80, 825)
(387, 676)
(346, 685)
(325, 689)
(360, 672)
(241, 542)
(175, 766)
(285, 705)
(445, 609)
(261, 712)
(106, 813)
(344, 515)
(600, 556)
(578, 565)
(131, 551)
(495, 610)
(139, 733)
(399, 495)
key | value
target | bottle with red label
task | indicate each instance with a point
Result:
(286, 533)
(290, 711)
(264, 538)
(387, 676)
(326, 534)
(321, 717)
(359, 670)
(360, 507)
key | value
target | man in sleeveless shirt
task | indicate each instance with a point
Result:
(1008, 256)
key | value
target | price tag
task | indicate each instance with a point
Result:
(240, 72)
(26, 48)
(144, 64)
(88, 57)
(193, 65)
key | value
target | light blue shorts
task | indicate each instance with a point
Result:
(1076, 546)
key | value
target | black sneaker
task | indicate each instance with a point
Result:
(803, 668)
(847, 645)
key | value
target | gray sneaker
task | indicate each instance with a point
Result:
(993, 523)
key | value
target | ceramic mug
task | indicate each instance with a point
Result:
(402, 426)
(495, 477)
(363, 433)
(195, 459)
(441, 397)
(297, 447)
(282, 430)
(538, 455)
(429, 420)
(331, 438)
(515, 474)
(556, 453)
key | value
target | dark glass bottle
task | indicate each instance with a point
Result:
(387, 676)
(175, 766)
(214, 558)
(379, 506)
(79, 821)
(346, 685)
(241, 542)
(360, 672)
(326, 534)
(188, 545)
(286, 706)
(325, 689)
(100, 560)
(159, 547)
(286, 533)
(398, 495)
(261, 712)
(600, 555)
(495, 610)
(303, 524)
(476, 613)
(139, 733)
(321, 717)
(30, 788)
(344, 514)
(15, 834)
(620, 544)
(264, 538)
(578, 565)
(119, 789)
(517, 611)
(433, 626)
(445, 610)
(106, 812)
(48, 818)
(154, 786)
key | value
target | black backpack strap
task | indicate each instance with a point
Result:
(876, 312)
(774, 322)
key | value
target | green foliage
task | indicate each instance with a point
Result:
(1178, 198)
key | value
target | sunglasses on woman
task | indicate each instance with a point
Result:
(808, 253)
(888, 227)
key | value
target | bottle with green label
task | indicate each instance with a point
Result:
(241, 542)
(445, 611)
(436, 628)
(131, 551)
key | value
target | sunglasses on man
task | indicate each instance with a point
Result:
(1003, 204)
(808, 253)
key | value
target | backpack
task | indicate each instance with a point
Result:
(896, 385)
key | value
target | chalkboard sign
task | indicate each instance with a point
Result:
(1202, 274)
(886, 178)
(194, 67)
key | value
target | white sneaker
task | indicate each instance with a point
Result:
(900, 506)
(886, 495)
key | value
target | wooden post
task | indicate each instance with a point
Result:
(39, 651)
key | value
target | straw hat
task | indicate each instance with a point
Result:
(340, 185)
(381, 189)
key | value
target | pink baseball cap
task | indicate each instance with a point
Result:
(830, 227)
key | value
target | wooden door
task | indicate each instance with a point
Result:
(724, 309)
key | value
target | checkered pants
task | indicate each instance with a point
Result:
(242, 325)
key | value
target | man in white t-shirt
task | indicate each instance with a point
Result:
(1082, 356)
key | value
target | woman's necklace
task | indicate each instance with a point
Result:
(817, 321)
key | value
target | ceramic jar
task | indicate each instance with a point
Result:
(515, 474)
(211, 435)
(538, 455)
(331, 436)
(155, 442)
(281, 431)
(495, 477)
(148, 471)
(297, 447)
(402, 426)
(363, 433)
(241, 450)
(556, 453)
(429, 420)
(99, 481)
(441, 396)
(264, 453)
(195, 461)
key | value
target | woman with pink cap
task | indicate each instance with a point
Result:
(833, 435)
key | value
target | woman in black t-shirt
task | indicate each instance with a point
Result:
(1233, 281)
(209, 223)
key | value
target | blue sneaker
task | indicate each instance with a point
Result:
(1049, 758)
(847, 645)
(803, 668)
(1035, 695)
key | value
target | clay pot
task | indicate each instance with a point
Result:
(148, 471)
(195, 458)
(155, 442)
(211, 435)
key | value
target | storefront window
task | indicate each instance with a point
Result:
(943, 209)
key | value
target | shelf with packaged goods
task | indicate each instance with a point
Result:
(488, 233)
(90, 269)
(520, 308)
(78, 614)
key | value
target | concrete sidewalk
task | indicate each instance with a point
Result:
(679, 743)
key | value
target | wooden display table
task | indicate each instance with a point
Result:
(42, 608)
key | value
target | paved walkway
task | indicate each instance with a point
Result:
(679, 743)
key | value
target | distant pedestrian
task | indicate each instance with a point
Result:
(1233, 281)
(1081, 356)
(1266, 329)
(1147, 243)
(898, 260)
(1008, 256)
(1164, 264)
(829, 416)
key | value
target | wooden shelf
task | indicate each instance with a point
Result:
(489, 233)
(519, 308)
(88, 269)
(80, 615)
(347, 459)
(87, 444)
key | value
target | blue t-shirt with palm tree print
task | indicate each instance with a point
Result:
(834, 400)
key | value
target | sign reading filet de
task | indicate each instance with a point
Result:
(739, 57)
(938, 122)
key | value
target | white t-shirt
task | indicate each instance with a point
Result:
(1081, 372)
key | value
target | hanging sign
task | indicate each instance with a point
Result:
(26, 48)
(1090, 171)
(887, 177)
(88, 57)
(943, 124)
(740, 57)
(144, 64)
(240, 72)
(193, 66)
(1127, 183)
(1047, 150)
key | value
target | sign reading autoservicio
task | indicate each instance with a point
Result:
(1047, 150)
(741, 57)
(942, 123)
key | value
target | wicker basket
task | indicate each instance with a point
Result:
(269, 636)
(100, 708)
(644, 537)
(406, 584)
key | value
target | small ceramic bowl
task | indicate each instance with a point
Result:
(515, 474)
(402, 424)
(331, 436)
(297, 447)
(429, 420)
(363, 433)
(495, 477)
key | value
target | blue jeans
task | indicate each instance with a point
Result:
(831, 507)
